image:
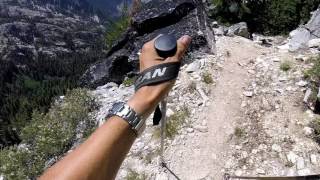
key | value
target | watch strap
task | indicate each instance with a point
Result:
(125, 112)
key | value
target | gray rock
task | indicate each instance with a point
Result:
(292, 157)
(304, 172)
(314, 43)
(248, 93)
(201, 128)
(190, 130)
(302, 83)
(260, 171)
(276, 148)
(313, 159)
(300, 37)
(307, 95)
(239, 29)
(193, 67)
(308, 131)
(215, 24)
(300, 163)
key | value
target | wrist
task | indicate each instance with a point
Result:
(144, 101)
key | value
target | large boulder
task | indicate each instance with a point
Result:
(239, 29)
(156, 17)
(299, 38)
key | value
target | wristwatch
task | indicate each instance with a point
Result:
(125, 112)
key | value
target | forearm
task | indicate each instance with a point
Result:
(99, 157)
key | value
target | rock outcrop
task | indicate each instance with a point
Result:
(299, 38)
(154, 18)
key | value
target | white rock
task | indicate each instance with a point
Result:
(307, 131)
(302, 83)
(307, 95)
(238, 172)
(170, 112)
(304, 172)
(276, 148)
(314, 43)
(215, 24)
(313, 159)
(260, 171)
(248, 93)
(291, 172)
(300, 163)
(251, 71)
(193, 67)
(190, 130)
(282, 79)
(292, 157)
(300, 57)
(201, 128)
(276, 59)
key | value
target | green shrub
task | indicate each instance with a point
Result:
(315, 124)
(133, 175)
(48, 135)
(176, 121)
(118, 26)
(239, 132)
(268, 17)
(314, 73)
(207, 78)
(285, 66)
(129, 81)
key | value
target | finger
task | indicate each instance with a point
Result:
(183, 44)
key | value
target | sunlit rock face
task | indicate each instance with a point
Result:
(155, 17)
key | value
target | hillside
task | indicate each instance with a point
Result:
(244, 104)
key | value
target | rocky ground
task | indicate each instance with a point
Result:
(249, 119)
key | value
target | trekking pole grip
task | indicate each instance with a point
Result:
(166, 45)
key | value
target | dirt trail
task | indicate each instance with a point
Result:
(205, 155)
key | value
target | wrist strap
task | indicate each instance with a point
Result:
(156, 75)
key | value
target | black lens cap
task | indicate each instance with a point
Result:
(166, 45)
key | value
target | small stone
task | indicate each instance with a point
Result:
(201, 128)
(291, 172)
(243, 104)
(276, 148)
(292, 157)
(194, 66)
(282, 79)
(190, 130)
(251, 71)
(300, 163)
(313, 159)
(238, 172)
(215, 24)
(307, 95)
(248, 93)
(276, 59)
(300, 57)
(308, 131)
(170, 112)
(260, 171)
(304, 172)
(302, 83)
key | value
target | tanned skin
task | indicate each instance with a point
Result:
(101, 155)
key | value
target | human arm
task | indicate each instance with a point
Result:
(101, 155)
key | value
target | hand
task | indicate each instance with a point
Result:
(146, 98)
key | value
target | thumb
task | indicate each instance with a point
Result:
(182, 46)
